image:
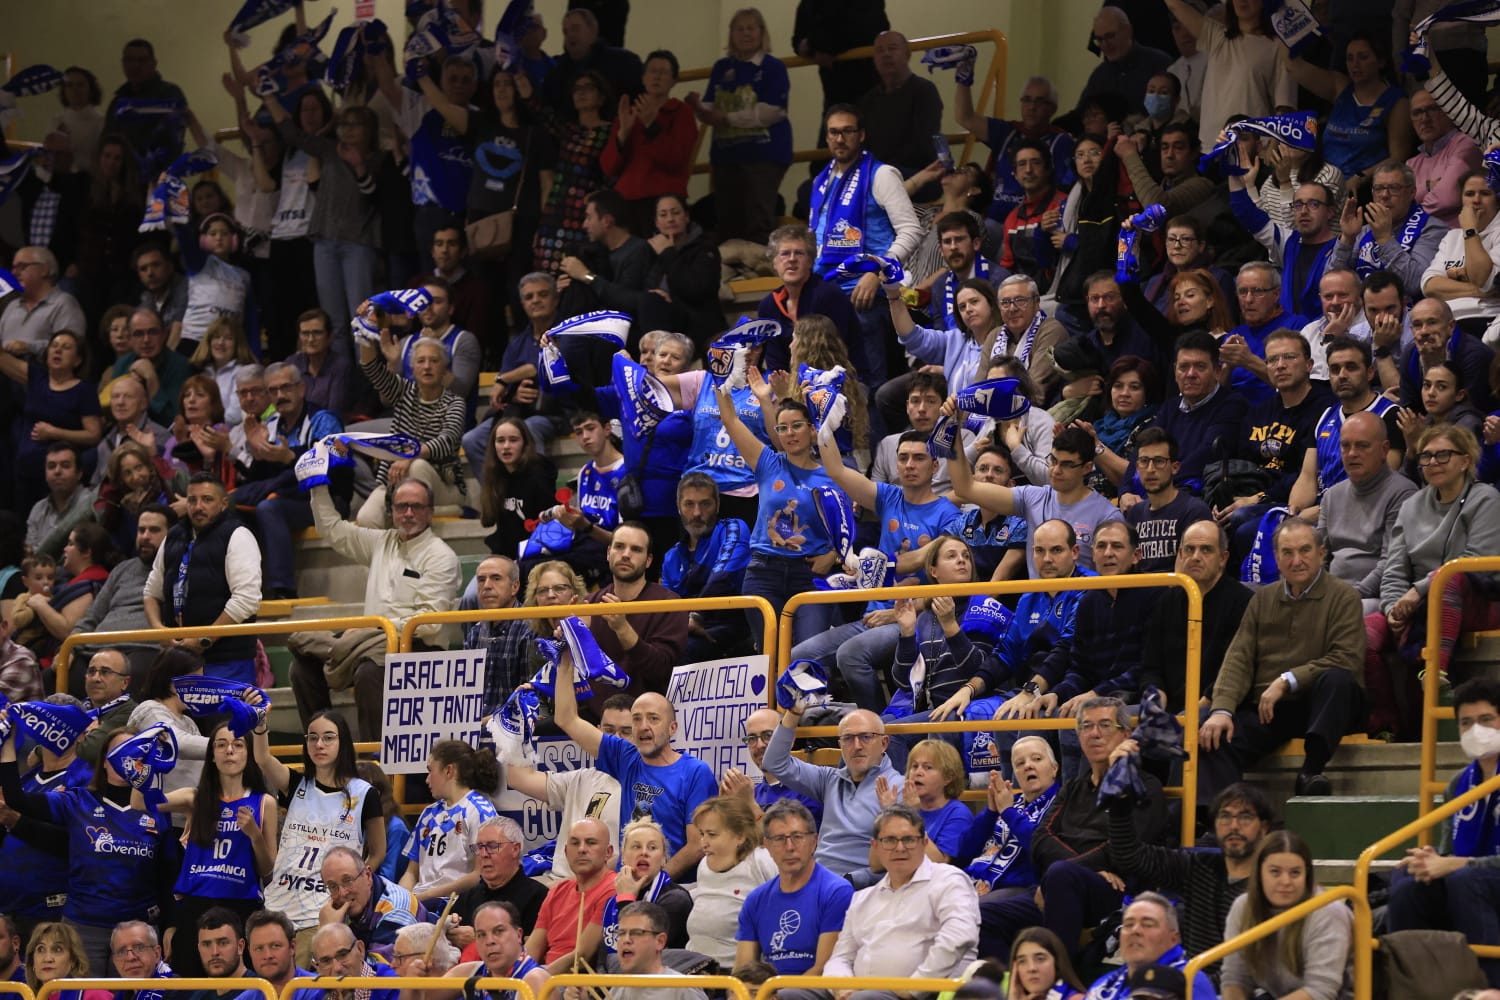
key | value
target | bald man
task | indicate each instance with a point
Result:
(654, 778)
(760, 727)
(1126, 66)
(903, 111)
(850, 802)
(1371, 494)
(591, 854)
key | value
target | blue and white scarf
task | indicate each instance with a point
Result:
(998, 398)
(1298, 130)
(167, 206)
(1127, 263)
(1476, 829)
(9, 283)
(205, 696)
(162, 971)
(270, 77)
(1294, 24)
(56, 727)
(1112, 986)
(1022, 346)
(839, 201)
(1365, 262)
(1483, 12)
(512, 728)
(611, 919)
(143, 759)
(990, 868)
(591, 665)
(255, 13)
(29, 82)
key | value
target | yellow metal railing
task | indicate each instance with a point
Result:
(554, 986)
(1364, 937)
(19, 989)
(290, 990)
(1428, 783)
(243, 984)
(1189, 789)
(888, 984)
(257, 629)
(738, 603)
(1265, 928)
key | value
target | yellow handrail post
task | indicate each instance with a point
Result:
(19, 989)
(257, 629)
(291, 989)
(242, 983)
(1189, 789)
(554, 986)
(890, 984)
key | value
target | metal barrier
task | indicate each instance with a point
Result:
(1189, 789)
(1428, 783)
(290, 990)
(19, 989)
(155, 636)
(891, 984)
(115, 986)
(739, 603)
(1364, 936)
(1265, 928)
(553, 987)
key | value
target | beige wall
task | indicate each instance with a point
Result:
(1045, 36)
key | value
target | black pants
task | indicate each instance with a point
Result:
(1320, 715)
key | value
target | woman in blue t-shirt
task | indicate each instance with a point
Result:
(60, 406)
(790, 546)
(1369, 122)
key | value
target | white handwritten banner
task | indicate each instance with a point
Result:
(430, 697)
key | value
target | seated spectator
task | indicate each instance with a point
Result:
(43, 309)
(1293, 669)
(1149, 936)
(1040, 968)
(326, 374)
(506, 642)
(935, 778)
(997, 540)
(200, 440)
(163, 371)
(1208, 881)
(1367, 493)
(1202, 411)
(56, 951)
(1026, 248)
(59, 408)
(1436, 337)
(1312, 955)
(443, 841)
(518, 484)
(803, 292)
(420, 951)
(1282, 170)
(1115, 332)
(1394, 232)
(67, 504)
(1133, 392)
(37, 574)
(411, 571)
(336, 952)
(710, 561)
(270, 942)
(802, 886)
(1442, 153)
(461, 346)
(651, 143)
(585, 51)
(426, 410)
(956, 350)
(1446, 402)
(220, 938)
(734, 865)
(682, 286)
(87, 559)
(1126, 66)
(1339, 292)
(1450, 886)
(903, 111)
(370, 905)
(1162, 517)
(646, 645)
(563, 932)
(1302, 254)
(20, 673)
(1370, 120)
(129, 421)
(1187, 249)
(998, 838)
(1025, 332)
(1429, 531)
(254, 398)
(641, 877)
(1465, 263)
(848, 793)
(746, 105)
(925, 393)
(500, 941)
(136, 952)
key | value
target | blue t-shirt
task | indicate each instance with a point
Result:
(112, 858)
(33, 882)
(767, 795)
(787, 925)
(666, 794)
(947, 824)
(788, 523)
(905, 526)
(713, 452)
(225, 869)
(739, 85)
(598, 494)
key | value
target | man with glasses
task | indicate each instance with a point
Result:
(1393, 232)
(1302, 254)
(421, 953)
(136, 953)
(337, 953)
(1069, 849)
(327, 374)
(42, 308)
(793, 921)
(919, 921)
(107, 682)
(1292, 671)
(1436, 337)
(370, 905)
(497, 860)
(1038, 104)
(162, 370)
(1126, 66)
(848, 792)
(760, 727)
(1165, 512)
(1444, 154)
(803, 292)
(860, 206)
(267, 481)
(640, 941)
(1456, 885)
(1026, 332)
(411, 571)
(1258, 287)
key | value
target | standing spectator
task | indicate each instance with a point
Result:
(623, 258)
(1302, 254)
(1443, 153)
(59, 408)
(442, 849)
(164, 289)
(1126, 66)
(1190, 68)
(1370, 121)
(327, 376)
(1246, 74)
(746, 105)
(902, 112)
(42, 309)
(101, 271)
(584, 52)
(518, 481)
(293, 270)
(826, 29)
(651, 143)
(580, 139)
(1038, 105)
(80, 119)
(144, 83)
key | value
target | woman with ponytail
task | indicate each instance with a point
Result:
(442, 846)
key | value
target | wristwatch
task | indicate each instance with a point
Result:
(1469, 234)
(1032, 688)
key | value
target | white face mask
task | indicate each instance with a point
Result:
(1480, 741)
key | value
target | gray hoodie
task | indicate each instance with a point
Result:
(1427, 534)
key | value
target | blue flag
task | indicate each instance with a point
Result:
(56, 727)
(889, 268)
(13, 171)
(255, 13)
(1000, 398)
(9, 283)
(987, 616)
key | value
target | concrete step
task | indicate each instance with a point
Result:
(1341, 871)
(1360, 769)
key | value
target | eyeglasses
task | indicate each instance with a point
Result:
(791, 254)
(1106, 727)
(104, 672)
(765, 737)
(631, 933)
(792, 428)
(845, 132)
(1182, 241)
(1282, 359)
(780, 839)
(346, 884)
(329, 960)
(404, 956)
(251, 391)
(1308, 205)
(860, 739)
(490, 846)
(1389, 188)
(1036, 99)
(1247, 292)
(891, 843)
(1053, 462)
(133, 949)
(1152, 461)
(1425, 112)
(1441, 457)
(404, 507)
(316, 738)
(556, 590)
(1225, 816)
(1017, 302)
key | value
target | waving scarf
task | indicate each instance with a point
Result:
(269, 76)
(34, 80)
(1294, 24)
(804, 683)
(943, 441)
(253, 14)
(1127, 265)
(143, 759)
(512, 728)
(56, 727)
(889, 268)
(644, 400)
(1484, 12)
(591, 665)
(204, 696)
(313, 467)
(508, 31)
(167, 206)
(9, 283)
(1160, 737)
(1298, 130)
(1000, 398)
(840, 201)
(959, 58)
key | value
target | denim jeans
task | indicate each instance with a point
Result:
(346, 277)
(859, 654)
(1467, 900)
(776, 578)
(276, 520)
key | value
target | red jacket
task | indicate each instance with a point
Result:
(657, 160)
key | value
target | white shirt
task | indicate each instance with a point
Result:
(1313, 334)
(927, 928)
(1451, 254)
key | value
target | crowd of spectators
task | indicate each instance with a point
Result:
(1287, 393)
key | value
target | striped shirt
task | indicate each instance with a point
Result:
(438, 424)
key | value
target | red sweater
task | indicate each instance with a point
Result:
(655, 160)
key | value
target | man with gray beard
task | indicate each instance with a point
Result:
(710, 561)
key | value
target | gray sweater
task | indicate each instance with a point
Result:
(1346, 516)
(345, 208)
(1427, 534)
(1327, 940)
(120, 604)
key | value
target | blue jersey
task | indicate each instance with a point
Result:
(1330, 425)
(598, 494)
(666, 794)
(716, 568)
(442, 166)
(788, 523)
(905, 526)
(33, 882)
(225, 869)
(787, 925)
(113, 851)
(712, 452)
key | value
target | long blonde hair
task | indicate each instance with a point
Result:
(78, 959)
(818, 345)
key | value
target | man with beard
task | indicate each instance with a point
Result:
(271, 936)
(221, 950)
(1164, 515)
(1115, 332)
(710, 561)
(654, 777)
(120, 604)
(1207, 881)
(646, 645)
(11, 968)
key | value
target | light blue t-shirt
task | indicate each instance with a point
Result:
(788, 523)
(1039, 503)
(905, 526)
(787, 925)
(666, 794)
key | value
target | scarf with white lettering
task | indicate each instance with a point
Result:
(1485, 12)
(1022, 346)
(838, 201)
(1293, 23)
(1298, 130)
(1365, 262)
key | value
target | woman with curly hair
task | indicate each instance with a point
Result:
(816, 344)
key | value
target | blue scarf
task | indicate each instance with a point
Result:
(1476, 833)
(13, 171)
(991, 868)
(34, 80)
(1485, 12)
(1114, 430)
(1127, 263)
(843, 197)
(1365, 263)
(206, 696)
(163, 971)
(1298, 130)
(56, 727)
(1293, 24)
(611, 919)
(1022, 347)
(255, 13)
(1112, 985)
(143, 759)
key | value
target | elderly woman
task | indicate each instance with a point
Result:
(999, 839)
(1452, 516)
(1026, 332)
(59, 406)
(425, 410)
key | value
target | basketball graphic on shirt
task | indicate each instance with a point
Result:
(789, 924)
